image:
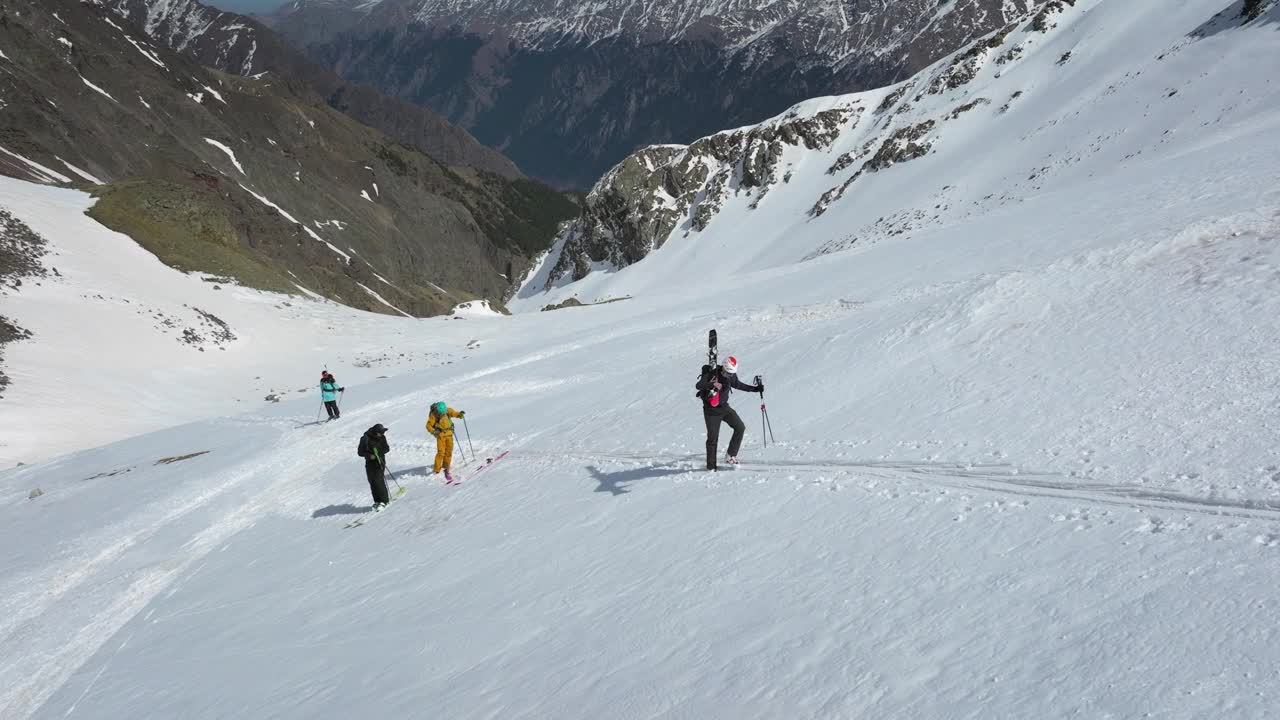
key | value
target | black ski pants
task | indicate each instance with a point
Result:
(332, 407)
(377, 481)
(714, 417)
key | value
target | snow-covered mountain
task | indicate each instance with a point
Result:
(566, 88)
(1064, 95)
(242, 46)
(184, 25)
(1025, 461)
(821, 32)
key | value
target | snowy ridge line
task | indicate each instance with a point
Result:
(1000, 478)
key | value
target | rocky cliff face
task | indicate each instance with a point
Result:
(240, 45)
(566, 89)
(252, 179)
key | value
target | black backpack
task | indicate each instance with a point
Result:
(363, 448)
(708, 394)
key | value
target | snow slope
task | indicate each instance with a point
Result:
(1025, 467)
(1032, 494)
(1068, 97)
(124, 344)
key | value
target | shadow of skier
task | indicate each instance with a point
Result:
(345, 509)
(615, 483)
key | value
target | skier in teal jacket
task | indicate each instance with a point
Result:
(329, 394)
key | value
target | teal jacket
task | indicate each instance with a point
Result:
(328, 391)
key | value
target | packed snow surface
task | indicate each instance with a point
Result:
(1025, 465)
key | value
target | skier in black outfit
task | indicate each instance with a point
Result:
(714, 387)
(373, 448)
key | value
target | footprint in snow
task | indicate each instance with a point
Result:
(1081, 517)
(1154, 525)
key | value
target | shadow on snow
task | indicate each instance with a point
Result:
(615, 483)
(344, 509)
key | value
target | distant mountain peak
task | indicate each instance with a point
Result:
(566, 89)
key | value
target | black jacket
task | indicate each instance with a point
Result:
(728, 381)
(373, 448)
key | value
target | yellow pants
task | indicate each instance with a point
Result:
(444, 451)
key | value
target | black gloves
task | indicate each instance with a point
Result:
(760, 384)
(462, 413)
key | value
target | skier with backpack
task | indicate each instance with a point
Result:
(714, 386)
(440, 424)
(374, 448)
(329, 394)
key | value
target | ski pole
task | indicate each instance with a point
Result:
(393, 477)
(319, 411)
(468, 429)
(763, 424)
(384, 469)
(768, 423)
(764, 417)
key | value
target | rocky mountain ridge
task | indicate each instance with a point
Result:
(252, 180)
(566, 89)
(241, 45)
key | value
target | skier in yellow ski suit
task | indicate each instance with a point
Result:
(440, 424)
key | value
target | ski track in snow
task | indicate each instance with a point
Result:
(1004, 480)
(79, 604)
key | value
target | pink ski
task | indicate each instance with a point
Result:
(487, 463)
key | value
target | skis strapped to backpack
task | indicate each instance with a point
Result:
(713, 361)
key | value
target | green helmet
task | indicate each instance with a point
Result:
(441, 408)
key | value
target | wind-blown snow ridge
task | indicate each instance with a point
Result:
(83, 174)
(381, 299)
(217, 95)
(148, 54)
(39, 172)
(96, 89)
(231, 154)
(262, 199)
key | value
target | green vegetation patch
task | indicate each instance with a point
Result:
(187, 229)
